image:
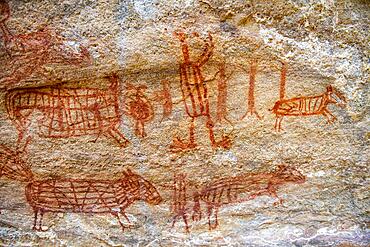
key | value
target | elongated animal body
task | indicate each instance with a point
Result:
(67, 112)
(77, 195)
(243, 188)
(308, 106)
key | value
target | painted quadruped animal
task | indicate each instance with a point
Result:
(242, 188)
(96, 196)
(308, 106)
(67, 111)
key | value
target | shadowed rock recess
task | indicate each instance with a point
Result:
(184, 123)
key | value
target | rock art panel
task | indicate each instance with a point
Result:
(160, 123)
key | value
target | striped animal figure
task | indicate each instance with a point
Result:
(242, 188)
(96, 196)
(67, 112)
(308, 106)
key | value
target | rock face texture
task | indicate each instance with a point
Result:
(184, 123)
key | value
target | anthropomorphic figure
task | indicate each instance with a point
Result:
(195, 94)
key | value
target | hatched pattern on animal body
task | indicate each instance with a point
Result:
(302, 106)
(91, 196)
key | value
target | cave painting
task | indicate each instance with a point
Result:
(93, 196)
(138, 106)
(4, 16)
(164, 96)
(251, 109)
(195, 94)
(242, 188)
(179, 205)
(28, 53)
(222, 81)
(66, 111)
(308, 106)
(283, 73)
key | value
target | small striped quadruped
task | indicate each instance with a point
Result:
(308, 106)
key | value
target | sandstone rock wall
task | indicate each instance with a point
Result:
(99, 101)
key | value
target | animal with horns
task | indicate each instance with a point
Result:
(308, 106)
(94, 196)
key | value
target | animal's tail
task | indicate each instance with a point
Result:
(197, 212)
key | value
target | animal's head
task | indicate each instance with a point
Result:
(13, 166)
(335, 96)
(290, 174)
(144, 189)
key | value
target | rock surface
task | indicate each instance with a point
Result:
(80, 77)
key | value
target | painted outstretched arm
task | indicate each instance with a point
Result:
(208, 51)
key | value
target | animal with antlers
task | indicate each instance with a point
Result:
(97, 196)
(66, 111)
(308, 106)
(242, 188)
(195, 95)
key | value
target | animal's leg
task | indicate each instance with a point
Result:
(115, 214)
(276, 123)
(216, 218)
(272, 192)
(280, 119)
(36, 211)
(209, 211)
(333, 118)
(40, 220)
(212, 209)
(326, 115)
(197, 213)
(186, 222)
(117, 136)
(124, 215)
(174, 219)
